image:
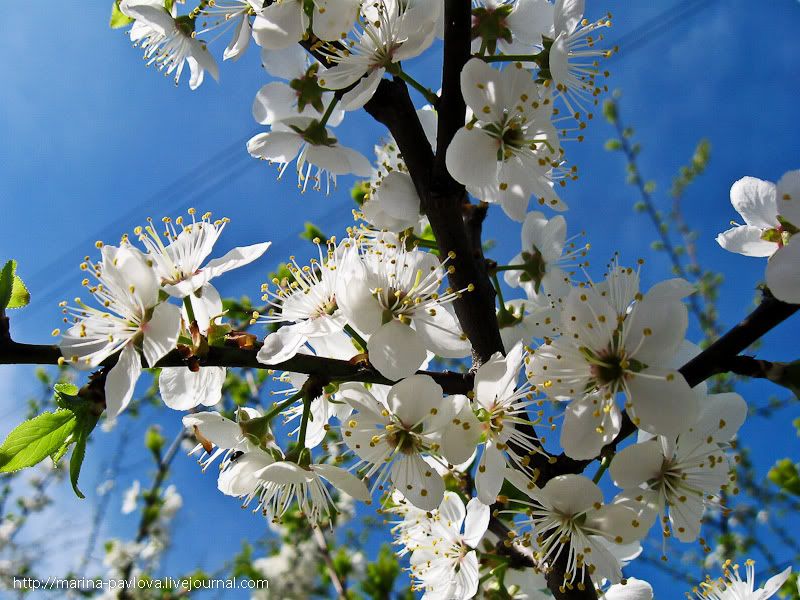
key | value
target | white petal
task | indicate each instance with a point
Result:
(418, 481)
(240, 41)
(589, 425)
(472, 157)
(568, 13)
(239, 478)
(161, 332)
(282, 345)
(685, 517)
(483, 90)
(279, 146)
(218, 430)
(441, 333)
(344, 481)
(334, 18)
(413, 399)
(755, 200)
(636, 464)
(721, 416)
(396, 350)
(572, 494)
(746, 239)
(664, 404)
(460, 439)
(775, 582)
(490, 474)
(279, 25)
(121, 381)
(452, 512)
(783, 272)
(476, 523)
(633, 589)
(362, 91)
(788, 192)
(182, 389)
(238, 257)
(287, 63)
(655, 328)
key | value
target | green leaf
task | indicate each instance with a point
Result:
(33, 441)
(118, 19)
(7, 283)
(13, 293)
(785, 475)
(76, 461)
(66, 389)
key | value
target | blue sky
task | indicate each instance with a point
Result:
(88, 136)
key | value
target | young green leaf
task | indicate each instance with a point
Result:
(7, 283)
(33, 441)
(76, 460)
(118, 19)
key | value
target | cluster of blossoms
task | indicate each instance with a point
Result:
(378, 298)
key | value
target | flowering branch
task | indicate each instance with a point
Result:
(329, 368)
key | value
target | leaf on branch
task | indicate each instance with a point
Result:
(118, 19)
(785, 475)
(34, 440)
(13, 293)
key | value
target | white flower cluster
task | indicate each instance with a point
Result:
(604, 350)
(135, 318)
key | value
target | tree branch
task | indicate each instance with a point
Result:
(328, 368)
(770, 313)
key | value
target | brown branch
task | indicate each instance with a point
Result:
(328, 368)
(770, 313)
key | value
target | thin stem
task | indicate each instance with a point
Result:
(187, 304)
(329, 110)
(301, 438)
(509, 57)
(322, 544)
(432, 98)
(496, 282)
(510, 267)
(603, 468)
(354, 334)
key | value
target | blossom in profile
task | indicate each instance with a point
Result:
(168, 41)
(179, 255)
(771, 214)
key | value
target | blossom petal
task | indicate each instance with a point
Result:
(441, 333)
(182, 389)
(636, 464)
(783, 272)
(662, 402)
(279, 25)
(746, 239)
(589, 424)
(472, 157)
(571, 494)
(490, 474)
(239, 477)
(121, 381)
(415, 399)
(161, 332)
(282, 345)
(218, 430)
(418, 481)
(788, 194)
(633, 589)
(476, 523)
(344, 481)
(755, 200)
(396, 350)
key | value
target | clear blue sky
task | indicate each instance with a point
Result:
(89, 136)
